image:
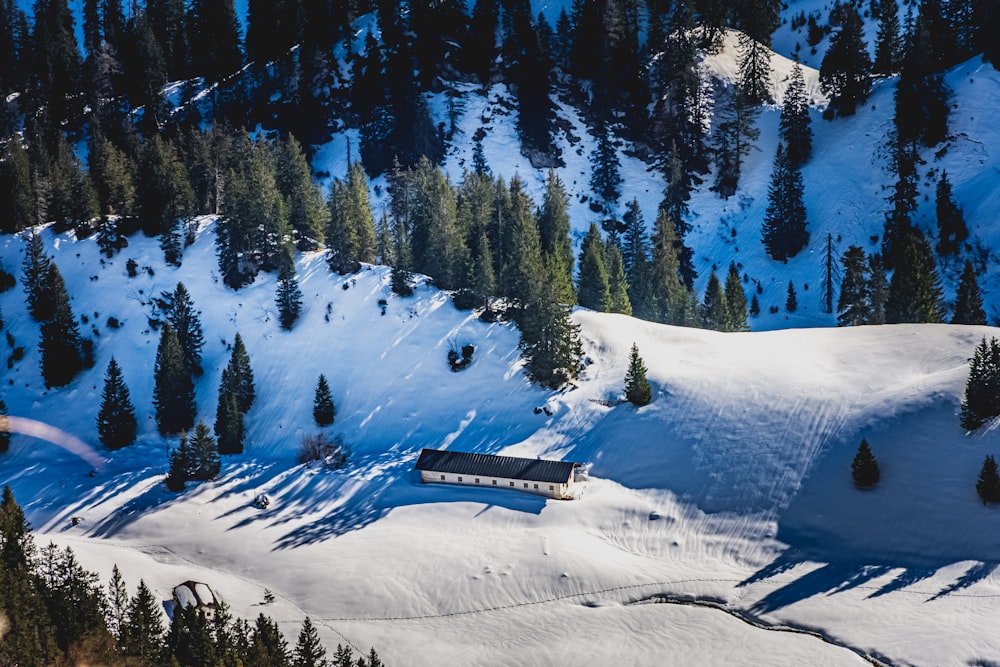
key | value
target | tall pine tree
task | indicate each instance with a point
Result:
(968, 299)
(116, 424)
(173, 390)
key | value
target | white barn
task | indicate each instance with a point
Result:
(544, 477)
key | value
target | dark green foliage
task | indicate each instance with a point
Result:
(309, 652)
(605, 181)
(116, 424)
(173, 390)
(324, 411)
(205, 456)
(785, 232)
(186, 322)
(215, 38)
(350, 234)
(593, 290)
(308, 213)
(754, 306)
(988, 484)
(714, 309)
(268, 648)
(922, 95)
(736, 301)
(668, 299)
(864, 468)
(164, 193)
(618, 301)
(288, 297)
(791, 302)
(189, 640)
(17, 190)
(637, 389)
(950, 221)
(116, 601)
(241, 375)
(981, 400)
(854, 304)
(554, 230)
(914, 290)
(550, 343)
(733, 139)
(830, 274)
(845, 72)
(755, 68)
(142, 633)
(60, 346)
(888, 43)
(968, 299)
(34, 277)
(72, 595)
(796, 128)
(229, 420)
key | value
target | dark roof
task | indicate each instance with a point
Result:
(488, 465)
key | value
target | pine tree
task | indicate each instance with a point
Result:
(324, 411)
(618, 301)
(754, 306)
(981, 400)
(736, 302)
(714, 309)
(204, 454)
(173, 390)
(785, 232)
(180, 463)
(796, 129)
(854, 304)
(60, 344)
(830, 274)
(344, 656)
(734, 137)
(288, 297)
(116, 604)
(554, 229)
(268, 647)
(888, 44)
(968, 299)
(634, 242)
(637, 389)
(241, 374)
(988, 484)
(878, 289)
(593, 289)
(845, 71)
(605, 180)
(550, 342)
(667, 298)
(228, 418)
(34, 276)
(17, 189)
(864, 468)
(950, 221)
(142, 632)
(791, 302)
(116, 424)
(309, 652)
(186, 323)
(915, 291)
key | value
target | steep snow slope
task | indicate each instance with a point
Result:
(732, 485)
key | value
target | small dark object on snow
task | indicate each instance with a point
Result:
(261, 501)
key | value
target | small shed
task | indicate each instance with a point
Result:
(545, 477)
(198, 595)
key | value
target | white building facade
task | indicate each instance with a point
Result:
(544, 477)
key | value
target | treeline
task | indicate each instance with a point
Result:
(55, 612)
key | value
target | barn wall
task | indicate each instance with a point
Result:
(557, 491)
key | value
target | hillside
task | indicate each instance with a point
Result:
(731, 486)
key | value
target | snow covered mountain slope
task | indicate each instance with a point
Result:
(732, 486)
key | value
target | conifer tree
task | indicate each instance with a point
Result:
(791, 301)
(914, 291)
(116, 604)
(888, 43)
(754, 306)
(785, 232)
(17, 189)
(34, 276)
(988, 484)
(736, 301)
(605, 180)
(116, 424)
(309, 652)
(593, 289)
(228, 419)
(854, 304)
(550, 343)
(796, 128)
(142, 632)
(845, 71)
(186, 322)
(950, 221)
(173, 390)
(733, 138)
(554, 230)
(864, 468)
(241, 375)
(714, 308)
(350, 235)
(204, 454)
(324, 411)
(981, 400)
(4, 433)
(878, 289)
(637, 389)
(289, 296)
(634, 241)
(968, 299)
(618, 301)
(308, 213)
(268, 647)
(181, 461)
(60, 344)
(668, 298)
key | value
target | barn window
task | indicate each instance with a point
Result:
(494, 482)
(551, 488)
(536, 486)
(525, 485)
(477, 480)
(442, 477)
(460, 479)
(512, 483)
